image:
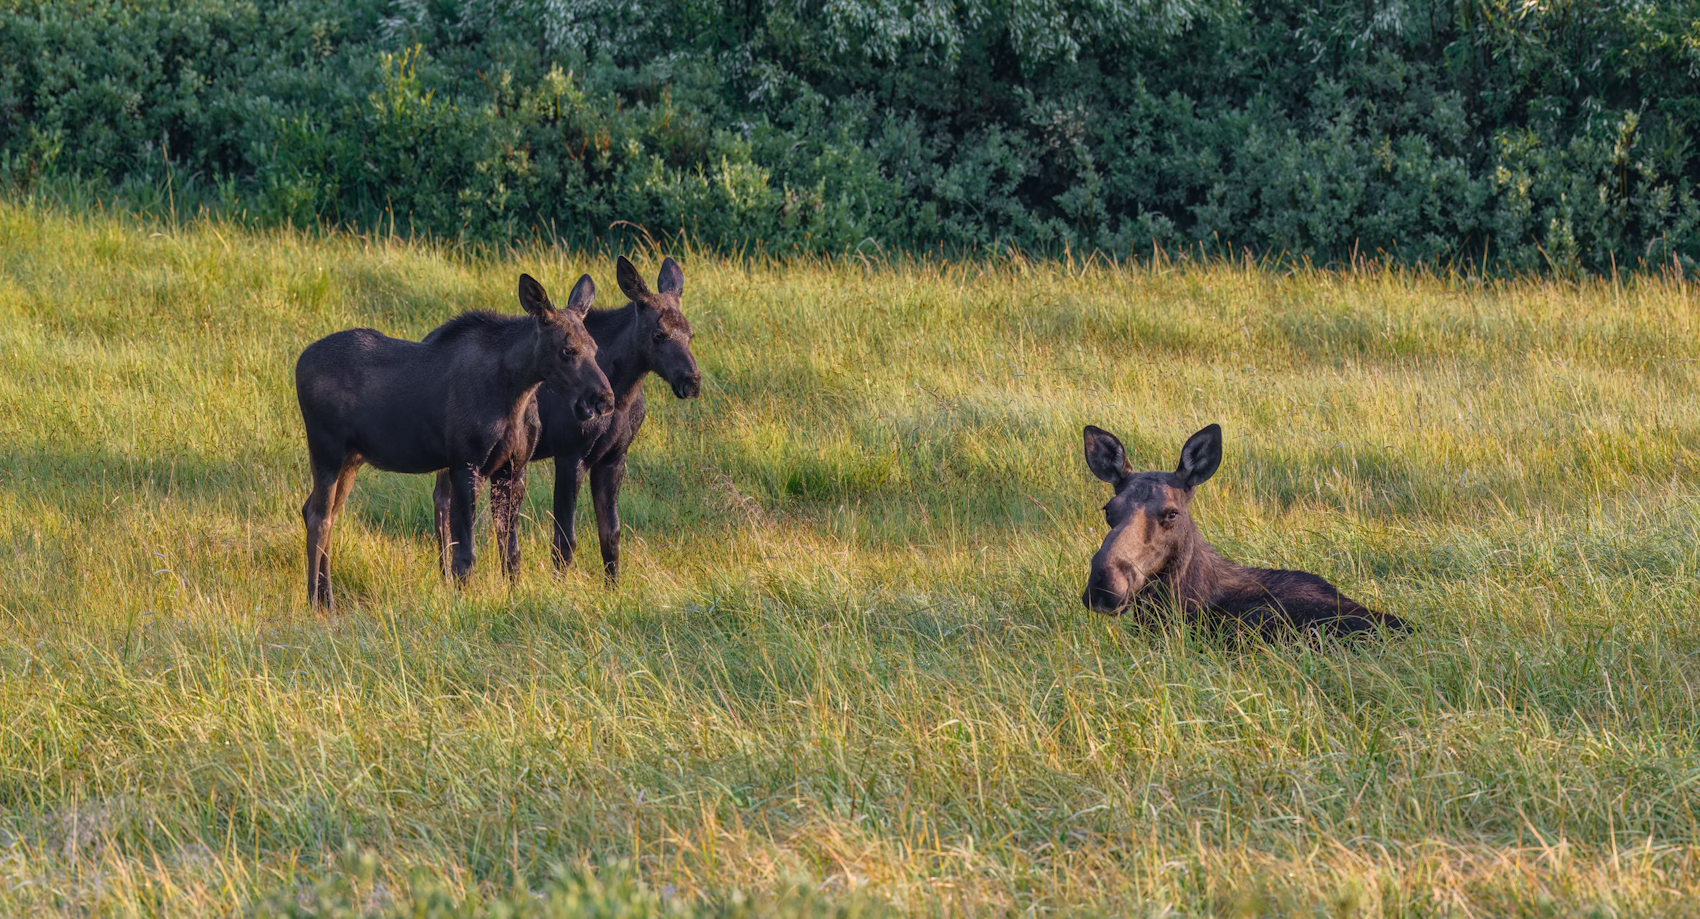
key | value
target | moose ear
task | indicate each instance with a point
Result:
(1105, 456)
(630, 283)
(533, 297)
(1200, 456)
(583, 295)
(672, 279)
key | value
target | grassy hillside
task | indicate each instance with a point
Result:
(849, 652)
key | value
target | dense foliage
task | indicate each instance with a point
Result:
(1541, 134)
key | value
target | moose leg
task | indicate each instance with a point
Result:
(330, 489)
(464, 482)
(1351, 619)
(339, 496)
(605, 482)
(315, 514)
(568, 472)
(1387, 621)
(507, 493)
(442, 498)
(344, 485)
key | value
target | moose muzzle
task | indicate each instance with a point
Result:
(594, 405)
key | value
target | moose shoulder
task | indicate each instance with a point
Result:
(1153, 546)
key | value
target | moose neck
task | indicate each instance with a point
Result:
(1198, 573)
(521, 371)
(618, 351)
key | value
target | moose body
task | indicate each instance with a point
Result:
(1154, 553)
(648, 334)
(458, 401)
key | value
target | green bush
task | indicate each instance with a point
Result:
(1555, 136)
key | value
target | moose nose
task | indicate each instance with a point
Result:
(1099, 598)
(690, 387)
(589, 407)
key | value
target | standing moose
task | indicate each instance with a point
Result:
(649, 334)
(453, 402)
(1153, 549)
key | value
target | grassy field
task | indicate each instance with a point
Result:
(848, 657)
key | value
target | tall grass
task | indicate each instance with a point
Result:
(848, 651)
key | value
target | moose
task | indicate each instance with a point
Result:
(1153, 553)
(649, 334)
(457, 402)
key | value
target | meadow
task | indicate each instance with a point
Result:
(847, 669)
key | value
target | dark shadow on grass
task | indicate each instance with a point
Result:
(74, 480)
(87, 485)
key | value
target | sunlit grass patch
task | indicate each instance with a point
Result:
(848, 650)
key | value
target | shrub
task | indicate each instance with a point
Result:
(1553, 136)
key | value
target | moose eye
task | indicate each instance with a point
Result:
(660, 334)
(1170, 515)
(567, 353)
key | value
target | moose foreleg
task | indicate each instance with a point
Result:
(568, 473)
(442, 499)
(463, 481)
(605, 496)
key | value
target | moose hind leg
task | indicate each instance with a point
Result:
(605, 495)
(316, 516)
(1354, 620)
(1389, 622)
(344, 485)
(313, 516)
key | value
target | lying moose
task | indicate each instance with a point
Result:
(1154, 553)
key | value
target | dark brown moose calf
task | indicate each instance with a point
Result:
(648, 334)
(451, 402)
(1154, 554)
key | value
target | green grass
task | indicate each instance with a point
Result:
(848, 653)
